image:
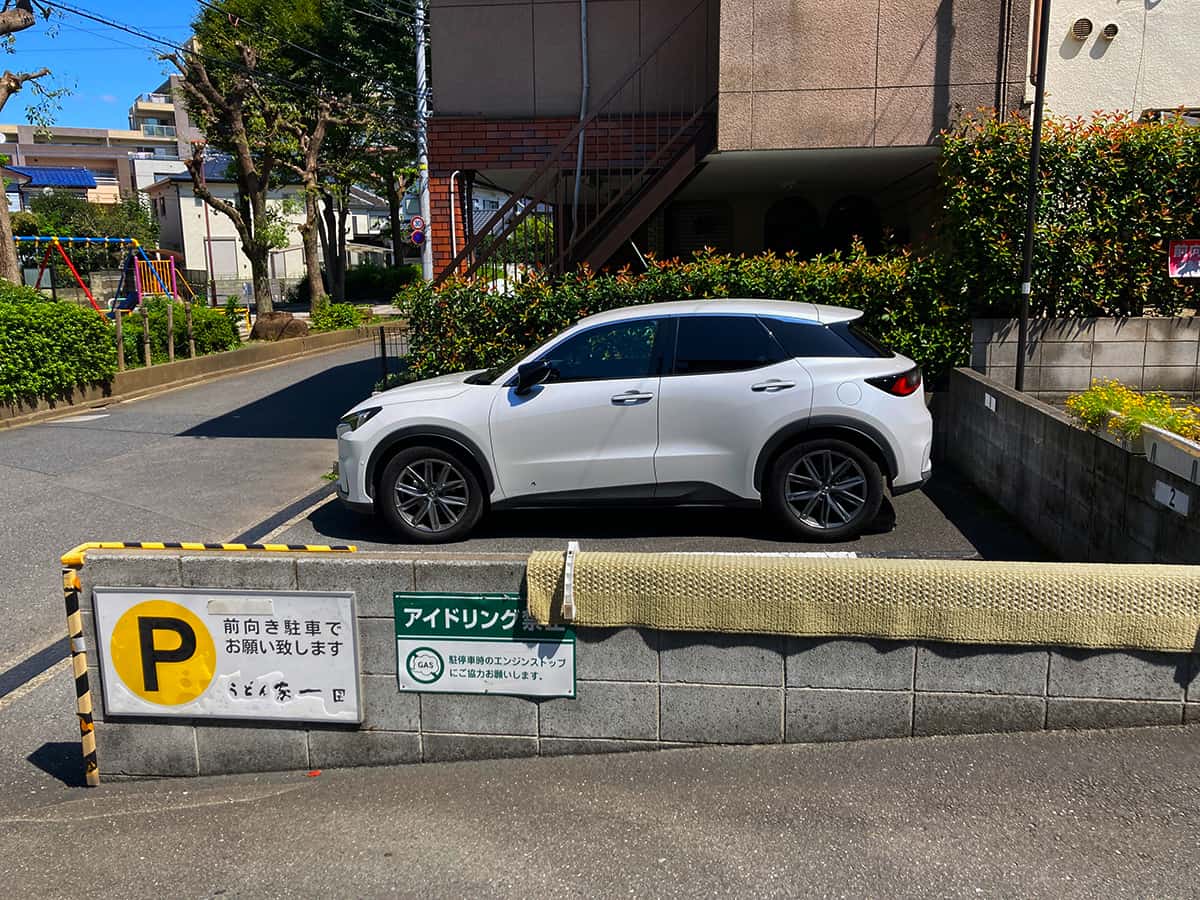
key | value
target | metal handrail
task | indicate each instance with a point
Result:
(526, 192)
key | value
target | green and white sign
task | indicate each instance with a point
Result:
(480, 644)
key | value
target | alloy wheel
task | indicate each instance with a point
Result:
(431, 495)
(826, 489)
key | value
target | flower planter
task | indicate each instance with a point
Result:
(1131, 444)
(1169, 451)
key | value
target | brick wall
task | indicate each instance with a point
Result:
(637, 689)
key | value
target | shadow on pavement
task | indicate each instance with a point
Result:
(989, 529)
(306, 409)
(335, 522)
(62, 760)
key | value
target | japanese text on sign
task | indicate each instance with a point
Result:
(228, 654)
(480, 644)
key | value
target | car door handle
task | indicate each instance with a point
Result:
(630, 397)
(772, 386)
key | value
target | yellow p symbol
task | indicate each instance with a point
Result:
(163, 652)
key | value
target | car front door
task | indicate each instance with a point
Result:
(732, 386)
(592, 425)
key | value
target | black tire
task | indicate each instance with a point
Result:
(824, 490)
(444, 509)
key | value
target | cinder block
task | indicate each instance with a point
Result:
(137, 748)
(1063, 713)
(821, 715)
(264, 573)
(377, 646)
(1124, 353)
(1174, 379)
(976, 714)
(1064, 378)
(976, 669)
(372, 580)
(1074, 353)
(229, 749)
(452, 747)
(109, 568)
(721, 658)
(1173, 329)
(1192, 688)
(1132, 330)
(386, 708)
(469, 575)
(1130, 376)
(583, 746)
(478, 714)
(616, 654)
(877, 665)
(1191, 713)
(603, 709)
(721, 715)
(1118, 674)
(1171, 353)
(330, 748)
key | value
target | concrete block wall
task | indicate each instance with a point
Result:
(637, 689)
(1081, 495)
(1065, 355)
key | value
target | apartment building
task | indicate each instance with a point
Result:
(763, 124)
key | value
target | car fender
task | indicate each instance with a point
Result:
(791, 432)
(412, 433)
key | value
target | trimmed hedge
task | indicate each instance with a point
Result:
(334, 316)
(212, 329)
(48, 348)
(464, 326)
(365, 282)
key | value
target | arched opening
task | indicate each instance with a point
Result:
(792, 224)
(853, 217)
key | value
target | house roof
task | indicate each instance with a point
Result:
(53, 176)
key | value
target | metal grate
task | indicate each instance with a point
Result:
(1081, 29)
(391, 349)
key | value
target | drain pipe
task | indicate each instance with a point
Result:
(583, 105)
(453, 223)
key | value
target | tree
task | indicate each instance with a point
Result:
(14, 17)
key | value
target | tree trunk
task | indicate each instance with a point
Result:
(10, 266)
(312, 259)
(343, 259)
(393, 197)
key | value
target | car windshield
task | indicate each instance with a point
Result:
(489, 376)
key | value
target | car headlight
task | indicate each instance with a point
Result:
(354, 420)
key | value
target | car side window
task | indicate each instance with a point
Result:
(808, 340)
(606, 352)
(708, 344)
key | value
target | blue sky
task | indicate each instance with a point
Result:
(104, 68)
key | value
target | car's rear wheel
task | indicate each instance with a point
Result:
(430, 496)
(825, 490)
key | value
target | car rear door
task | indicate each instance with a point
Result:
(730, 388)
(593, 426)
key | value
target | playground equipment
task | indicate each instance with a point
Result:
(141, 277)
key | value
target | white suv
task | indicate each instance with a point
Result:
(706, 402)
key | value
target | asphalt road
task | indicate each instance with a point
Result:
(1082, 814)
(201, 463)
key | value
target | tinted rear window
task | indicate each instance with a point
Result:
(723, 344)
(865, 343)
(806, 340)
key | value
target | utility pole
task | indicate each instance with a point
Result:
(423, 141)
(1032, 189)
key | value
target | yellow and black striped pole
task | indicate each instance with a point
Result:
(74, 557)
(83, 691)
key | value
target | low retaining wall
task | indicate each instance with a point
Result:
(637, 688)
(1065, 355)
(136, 382)
(1081, 495)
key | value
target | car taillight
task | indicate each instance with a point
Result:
(898, 385)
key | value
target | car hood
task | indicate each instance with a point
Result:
(441, 388)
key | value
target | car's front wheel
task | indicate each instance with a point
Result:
(825, 490)
(430, 496)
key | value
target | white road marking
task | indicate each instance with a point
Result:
(76, 419)
(295, 520)
(63, 665)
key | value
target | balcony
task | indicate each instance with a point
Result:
(163, 99)
(163, 131)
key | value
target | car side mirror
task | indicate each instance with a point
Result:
(531, 373)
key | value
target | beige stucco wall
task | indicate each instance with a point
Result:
(862, 73)
(521, 58)
(1152, 63)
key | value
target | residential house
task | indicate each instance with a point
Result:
(23, 183)
(788, 125)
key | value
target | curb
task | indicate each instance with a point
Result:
(118, 396)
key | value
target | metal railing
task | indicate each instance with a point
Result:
(659, 111)
(391, 350)
(158, 130)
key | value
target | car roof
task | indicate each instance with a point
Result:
(790, 309)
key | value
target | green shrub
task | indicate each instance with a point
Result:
(365, 282)
(48, 348)
(1114, 193)
(463, 325)
(1094, 409)
(211, 327)
(333, 316)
